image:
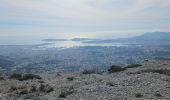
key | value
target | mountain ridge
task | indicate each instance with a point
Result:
(148, 37)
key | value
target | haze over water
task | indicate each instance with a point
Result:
(30, 39)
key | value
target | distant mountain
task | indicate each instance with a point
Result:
(146, 38)
(150, 38)
(153, 36)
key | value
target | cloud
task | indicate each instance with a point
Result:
(86, 9)
(81, 15)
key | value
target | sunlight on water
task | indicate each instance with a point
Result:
(68, 44)
(35, 38)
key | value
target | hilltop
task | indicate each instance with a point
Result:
(149, 81)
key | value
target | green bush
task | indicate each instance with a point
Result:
(17, 76)
(115, 68)
(91, 71)
(160, 71)
(46, 88)
(49, 89)
(70, 78)
(133, 66)
(13, 88)
(110, 84)
(42, 87)
(23, 77)
(138, 95)
(158, 94)
(41, 81)
(65, 94)
(2, 78)
(30, 76)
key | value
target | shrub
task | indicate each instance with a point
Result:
(110, 84)
(49, 89)
(115, 68)
(90, 71)
(2, 78)
(160, 71)
(138, 95)
(65, 94)
(46, 88)
(158, 94)
(41, 81)
(13, 88)
(22, 77)
(133, 66)
(30, 76)
(33, 89)
(17, 76)
(70, 78)
(42, 87)
(24, 91)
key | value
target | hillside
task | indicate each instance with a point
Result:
(151, 81)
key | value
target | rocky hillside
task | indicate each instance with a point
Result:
(151, 81)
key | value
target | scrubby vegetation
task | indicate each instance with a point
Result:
(30, 76)
(2, 78)
(109, 84)
(23, 77)
(160, 71)
(13, 88)
(16, 87)
(158, 95)
(17, 76)
(74, 86)
(133, 66)
(70, 78)
(24, 91)
(116, 68)
(33, 89)
(91, 71)
(138, 95)
(67, 92)
(64, 94)
(46, 88)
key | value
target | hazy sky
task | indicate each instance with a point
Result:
(86, 18)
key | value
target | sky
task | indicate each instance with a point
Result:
(82, 18)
